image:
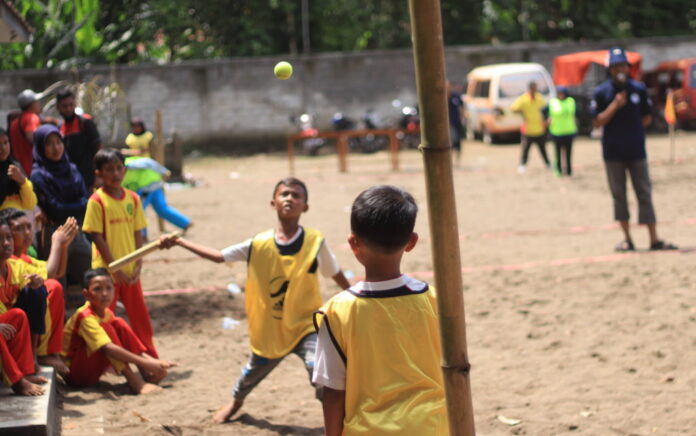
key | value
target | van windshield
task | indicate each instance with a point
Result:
(514, 85)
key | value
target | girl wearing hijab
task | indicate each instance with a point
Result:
(62, 194)
(16, 190)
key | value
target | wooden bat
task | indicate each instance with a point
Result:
(139, 253)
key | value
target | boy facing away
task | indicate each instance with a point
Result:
(96, 339)
(378, 349)
(282, 288)
(115, 220)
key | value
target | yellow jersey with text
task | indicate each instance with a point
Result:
(84, 330)
(282, 292)
(117, 219)
(390, 344)
(14, 281)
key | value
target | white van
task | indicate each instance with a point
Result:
(490, 92)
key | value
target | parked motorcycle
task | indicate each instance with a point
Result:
(409, 122)
(311, 145)
(364, 144)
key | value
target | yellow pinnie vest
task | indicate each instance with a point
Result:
(282, 292)
(390, 343)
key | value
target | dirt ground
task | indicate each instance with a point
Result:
(565, 336)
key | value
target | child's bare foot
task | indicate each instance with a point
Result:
(27, 388)
(36, 379)
(56, 362)
(227, 412)
(148, 388)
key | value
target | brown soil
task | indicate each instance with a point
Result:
(564, 335)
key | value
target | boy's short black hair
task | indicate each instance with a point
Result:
(92, 273)
(106, 155)
(292, 181)
(63, 94)
(3, 132)
(384, 217)
(11, 214)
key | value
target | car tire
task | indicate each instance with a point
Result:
(487, 137)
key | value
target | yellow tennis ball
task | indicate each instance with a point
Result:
(283, 70)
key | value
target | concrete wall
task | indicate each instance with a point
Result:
(238, 105)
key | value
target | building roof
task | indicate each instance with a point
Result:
(13, 27)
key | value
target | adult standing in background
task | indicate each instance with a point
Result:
(621, 106)
(562, 127)
(454, 110)
(80, 135)
(533, 131)
(22, 128)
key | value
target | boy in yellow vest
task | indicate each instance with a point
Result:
(378, 348)
(282, 288)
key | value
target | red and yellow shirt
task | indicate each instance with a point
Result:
(84, 330)
(14, 281)
(117, 219)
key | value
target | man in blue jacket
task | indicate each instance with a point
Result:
(621, 106)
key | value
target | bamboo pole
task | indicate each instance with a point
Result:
(291, 155)
(342, 153)
(671, 143)
(157, 153)
(429, 60)
(394, 150)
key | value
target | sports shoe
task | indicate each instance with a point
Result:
(521, 169)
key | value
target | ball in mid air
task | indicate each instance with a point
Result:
(283, 70)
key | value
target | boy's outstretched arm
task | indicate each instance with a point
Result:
(341, 280)
(201, 250)
(60, 242)
(119, 353)
(333, 403)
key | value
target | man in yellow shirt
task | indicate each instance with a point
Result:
(533, 131)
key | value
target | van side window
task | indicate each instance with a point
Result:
(482, 88)
(692, 76)
(514, 85)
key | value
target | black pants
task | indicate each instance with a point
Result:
(33, 303)
(564, 149)
(527, 142)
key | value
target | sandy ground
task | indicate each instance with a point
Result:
(565, 336)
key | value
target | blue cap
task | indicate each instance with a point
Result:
(562, 89)
(617, 55)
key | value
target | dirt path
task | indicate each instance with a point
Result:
(565, 336)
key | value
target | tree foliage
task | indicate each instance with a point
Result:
(78, 32)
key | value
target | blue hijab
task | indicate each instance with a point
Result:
(62, 176)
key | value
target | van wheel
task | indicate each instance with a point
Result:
(487, 137)
(470, 134)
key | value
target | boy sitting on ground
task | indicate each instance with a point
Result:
(378, 350)
(282, 288)
(51, 342)
(96, 339)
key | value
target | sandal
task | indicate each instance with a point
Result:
(625, 246)
(662, 245)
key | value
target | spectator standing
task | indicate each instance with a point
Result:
(139, 140)
(80, 136)
(533, 131)
(621, 106)
(22, 128)
(562, 127)
(454, 110)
